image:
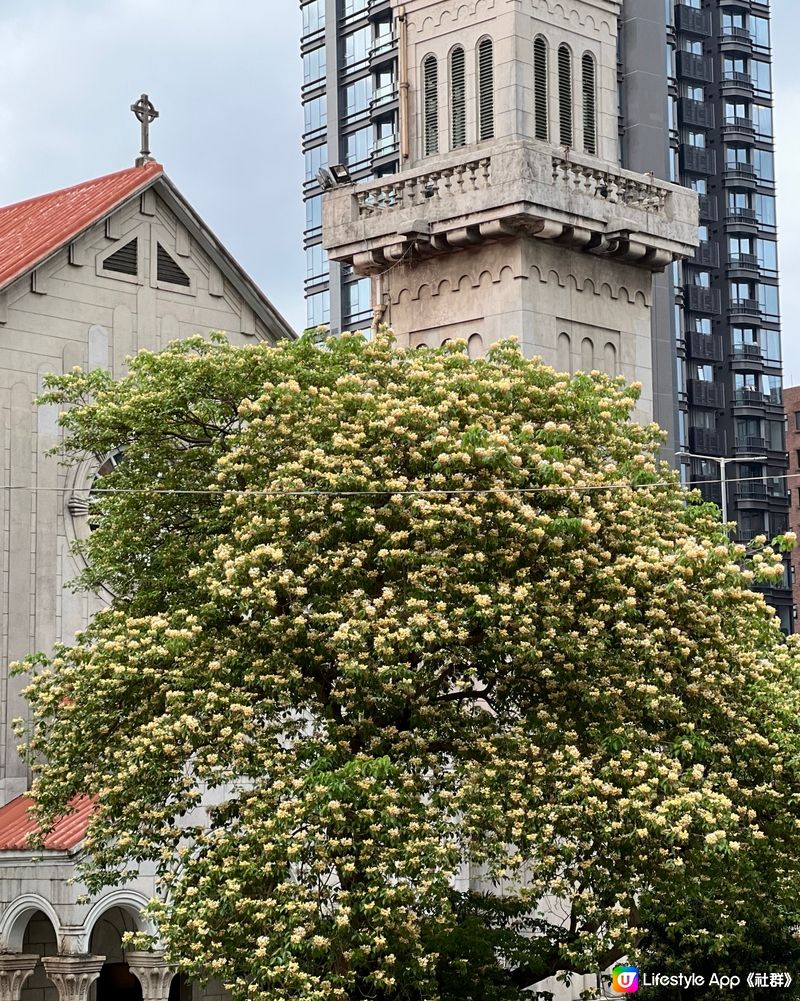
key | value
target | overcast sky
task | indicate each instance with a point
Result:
(225, 75)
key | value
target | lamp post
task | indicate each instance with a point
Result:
(723, 466)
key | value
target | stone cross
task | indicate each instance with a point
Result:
(146, 113)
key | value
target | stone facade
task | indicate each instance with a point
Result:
(516, 234)
(73, 309)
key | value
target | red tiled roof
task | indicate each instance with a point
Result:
(16, 824)
(32, 230)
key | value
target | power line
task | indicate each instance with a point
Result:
(373, 491)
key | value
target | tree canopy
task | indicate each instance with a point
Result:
(423, 678)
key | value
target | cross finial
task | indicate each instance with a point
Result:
(145, 113)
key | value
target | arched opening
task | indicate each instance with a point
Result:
(564, 351)
(485, 90)
(430, 72)
(40, 939)
(565, 95)
(116, 982)
(589, 91)
(587, 355)
(610, 359)
(475, 346)
(458, 98)
(540, 88)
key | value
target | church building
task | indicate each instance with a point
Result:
(89, 275)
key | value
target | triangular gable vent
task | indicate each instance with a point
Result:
(125, 260)
(170, 271)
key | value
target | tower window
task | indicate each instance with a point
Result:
(540, 88)
(565, 95)
(458, 99)
(485, 90)
(589, 87)
(430, 72)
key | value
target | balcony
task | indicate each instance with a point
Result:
(744, 307)
(707, 255)
(750, 444)
(740, 172)
(734, 81)
(750, 490)
(739, 216)
(747, 352)
(377, 8)
(702, 300)
(696, 113)
(736, 124)
(708, 208)
(516, 187)
(739, 35)
(706, 394)
(697, 160)
(384, 100)
(743, 262)
(691, 21)
(384, 50)
(711, 491)
(692, 67)
(705, 442)
(705, 347)
(746, 397)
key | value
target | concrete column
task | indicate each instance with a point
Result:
(73, 975)
(15, 968)
(152, 973)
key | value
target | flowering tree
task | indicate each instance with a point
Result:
(423, 679)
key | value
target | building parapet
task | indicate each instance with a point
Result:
(519, 188)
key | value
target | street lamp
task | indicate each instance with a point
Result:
(723, 465)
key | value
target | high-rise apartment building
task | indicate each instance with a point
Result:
(350, 102)
(791, 402)
(727, 317)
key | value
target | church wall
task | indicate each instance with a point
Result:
(72, 312)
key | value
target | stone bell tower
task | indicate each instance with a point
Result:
(511, 214)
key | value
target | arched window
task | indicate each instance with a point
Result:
(565, 95)
(589, 89)
(485, 90)
(587, 355)
(430, 74)
(458, 99)
(610, 359)
(540, 88)
(475, 346)
(564, 351)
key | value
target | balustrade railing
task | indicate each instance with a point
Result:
(444, 183)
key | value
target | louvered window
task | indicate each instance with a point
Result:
(458, 98)
(540, 88)
(125, 260)
(430, 72)
(565, 95)
(589, 85)
(485, 90)
(169, 270)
